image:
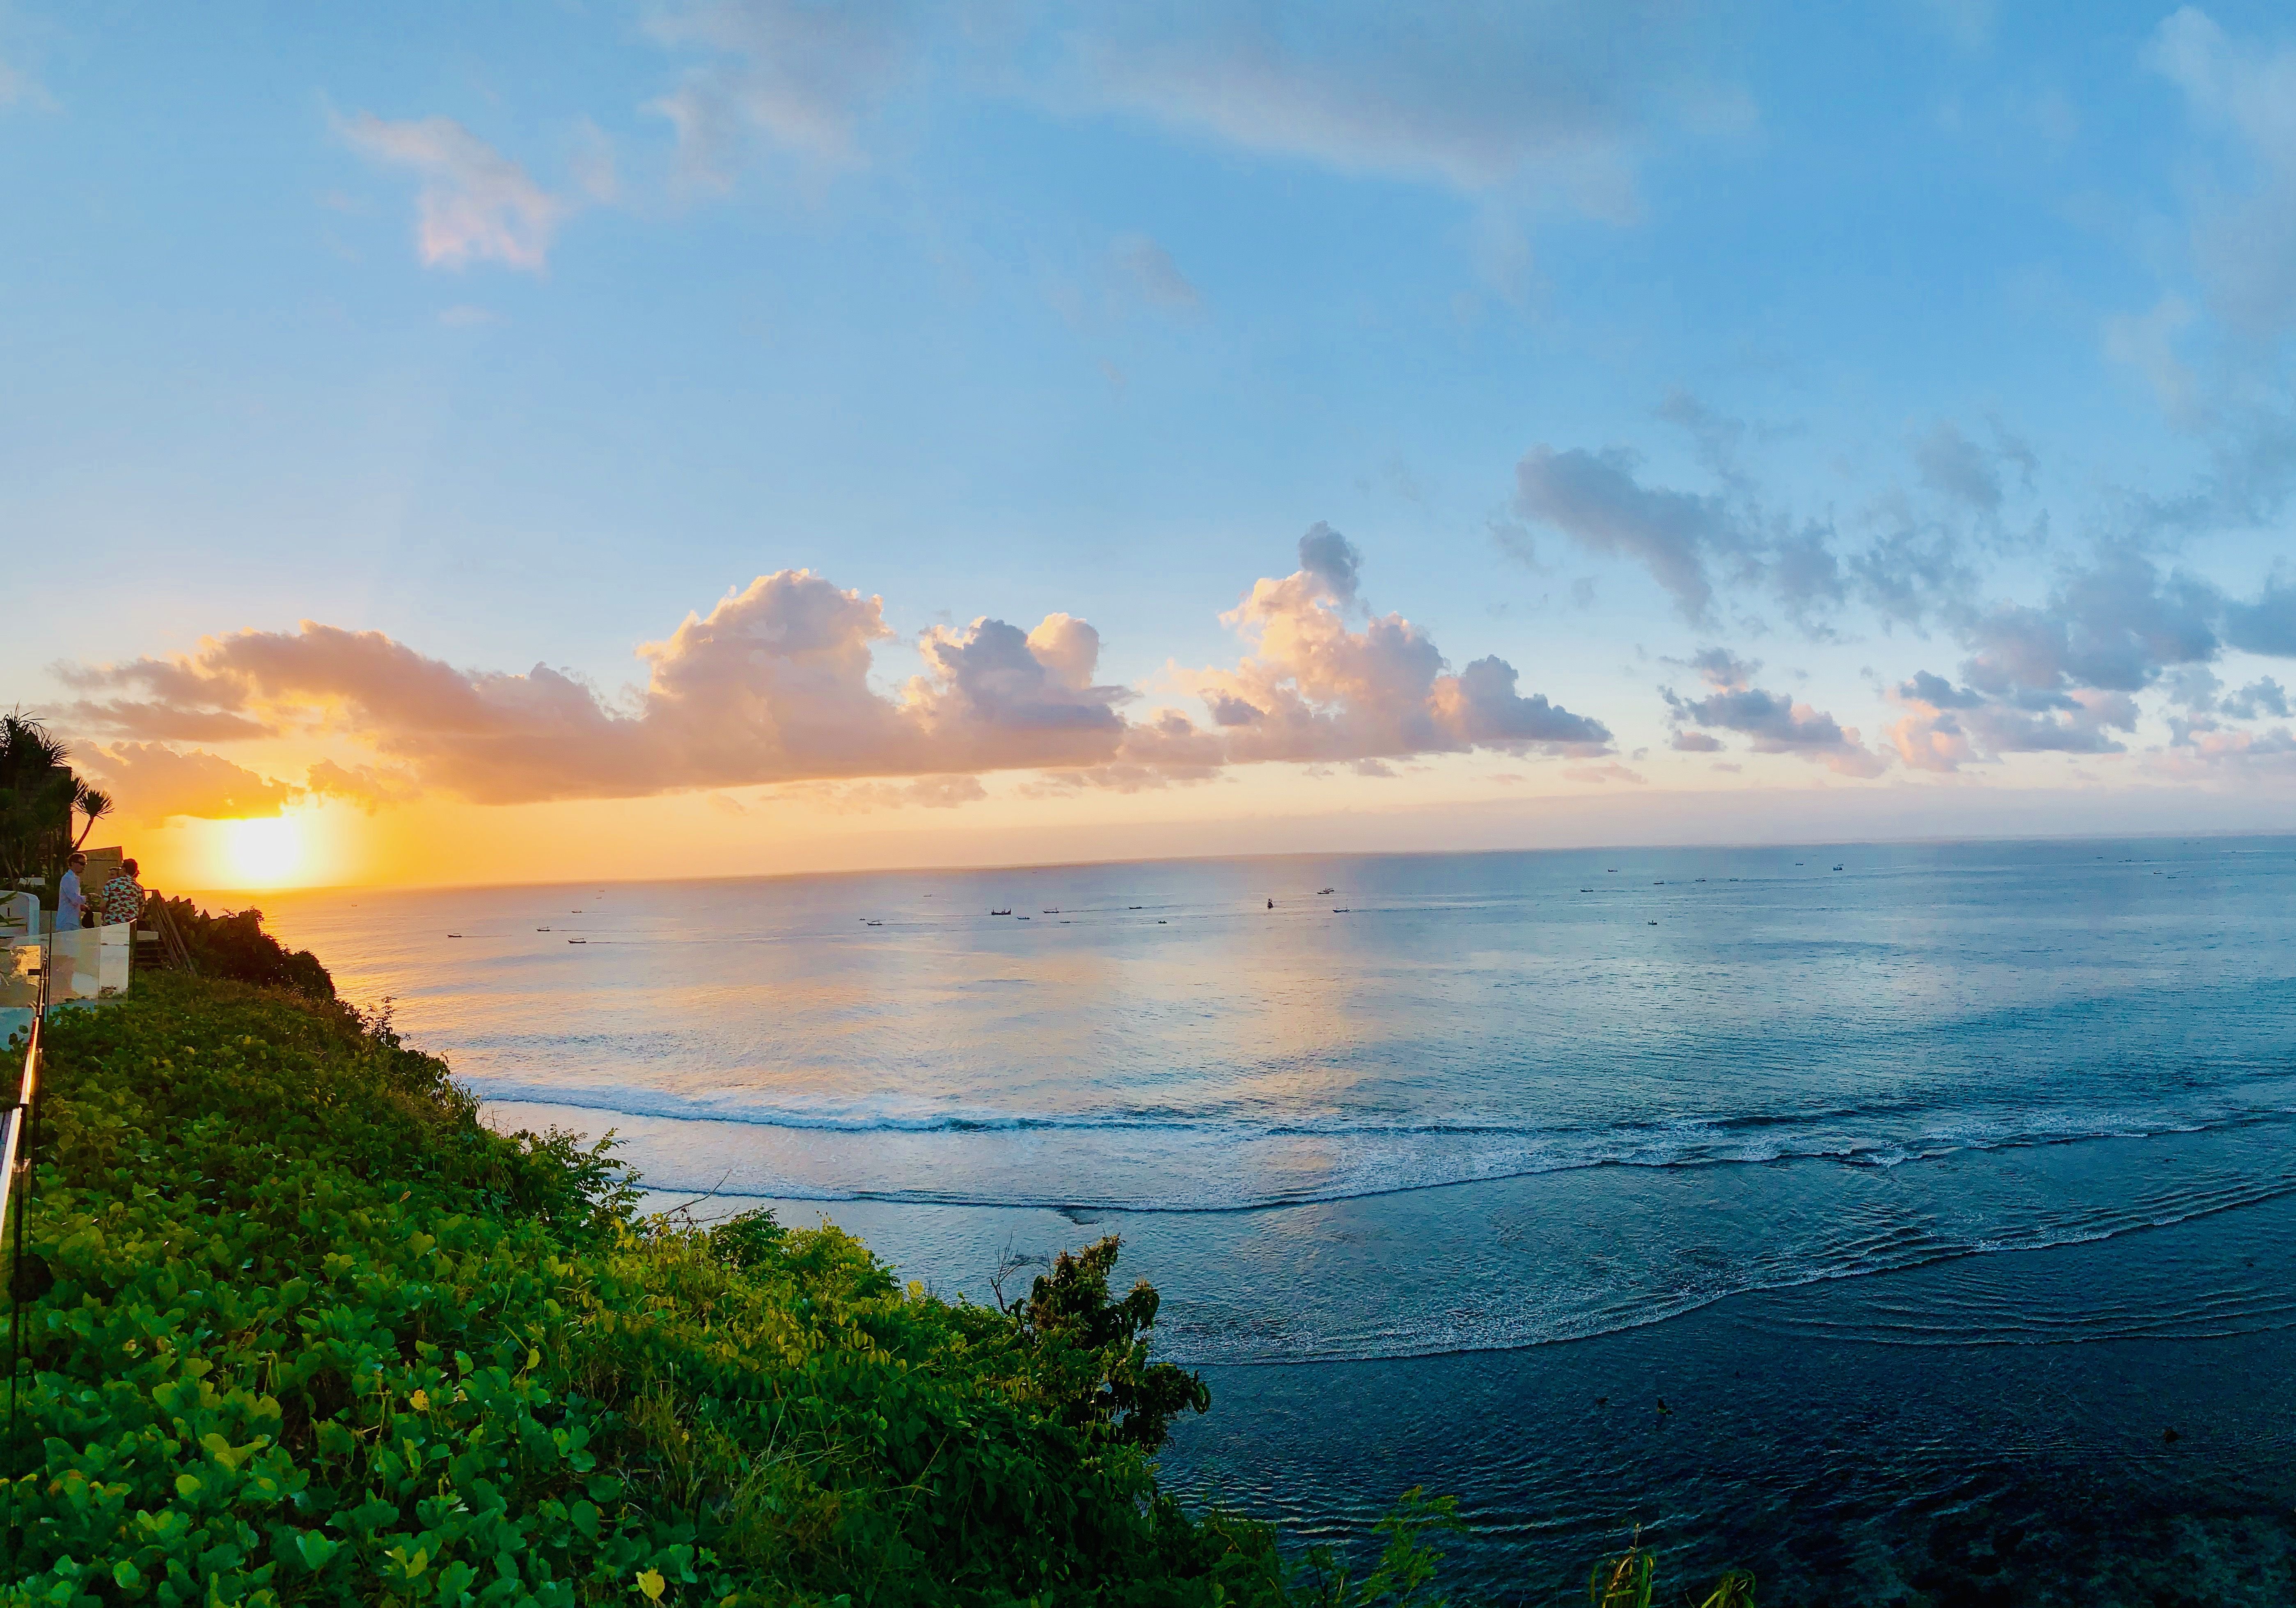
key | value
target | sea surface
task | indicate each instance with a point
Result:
(1944, 1194)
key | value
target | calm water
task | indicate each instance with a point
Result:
(1931, 1186)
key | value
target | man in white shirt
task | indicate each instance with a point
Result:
(70, 902)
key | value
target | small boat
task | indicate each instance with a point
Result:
(1837, 867)
(453, 935)
(1000, 912)
(1135, 907)
(1342, 909)
(1056, 910)
(578, 941)
(1162, 921)
(1650, 924)
(541, 929)
(1271, 903)
(1320, 892)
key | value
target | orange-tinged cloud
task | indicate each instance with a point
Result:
(773, 686)
(152, 783)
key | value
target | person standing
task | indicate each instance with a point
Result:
(122, 899)
(71, 904)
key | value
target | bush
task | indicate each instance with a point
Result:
(234, 946)
(310, 1333)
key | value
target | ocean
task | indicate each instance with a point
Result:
(1943, 1193)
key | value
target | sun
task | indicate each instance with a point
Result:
(265, 853)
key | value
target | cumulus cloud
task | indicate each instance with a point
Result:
(1775, 722)
(1315, 689)
(476, 204)
(2061, 677)
(154, 784)
(2268, 624)
(774, 685)
(2260, 697)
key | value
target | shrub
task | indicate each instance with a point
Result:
(234, 946)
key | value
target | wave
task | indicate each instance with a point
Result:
(1159, 1160)
(1195, 1343)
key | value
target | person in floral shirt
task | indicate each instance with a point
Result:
(122, 898)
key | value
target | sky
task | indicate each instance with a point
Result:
(445, 444)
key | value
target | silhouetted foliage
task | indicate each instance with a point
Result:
(234, 946)
(38, 796)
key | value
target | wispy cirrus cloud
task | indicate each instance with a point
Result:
(1555, 97)
(475, 204)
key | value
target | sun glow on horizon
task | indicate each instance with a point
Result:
(264, 852)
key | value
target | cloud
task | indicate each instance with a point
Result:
(775, 686)
(362, 784)
(1914, 562)
(1313, 689)
(2061, 677)
(1478, 98)
(1951, 464)
(166, 722)
(2245, 238)
(1548, 98)
(2263, 696)
(798, 74)
(20, 88)
(475, 205)
(1150, 271)
(1595, 499)
(154, 784)
(2268, 624)
(1776, 723)
(863, 798)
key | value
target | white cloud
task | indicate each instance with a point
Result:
(475, 205)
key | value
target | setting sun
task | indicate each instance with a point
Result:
(264, 853)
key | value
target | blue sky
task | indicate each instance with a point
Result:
(1720, 372)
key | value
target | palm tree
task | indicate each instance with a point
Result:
(38, 795)
(94, 803)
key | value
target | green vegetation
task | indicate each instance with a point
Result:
(1628, 1580)
(234, 946)
(300, 1329)
(39, 795)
